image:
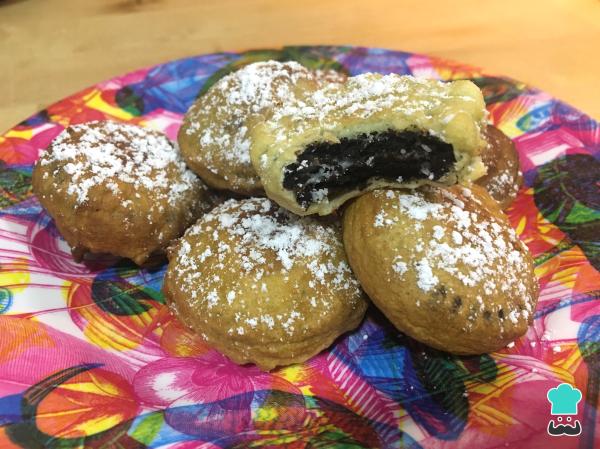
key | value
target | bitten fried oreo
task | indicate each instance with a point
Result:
(214, 135)
(262, 285)
(371, 131)
(117, 188)
(503, 178)
(443, 265)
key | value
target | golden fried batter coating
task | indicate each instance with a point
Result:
(339, 140)
(117, 188)
(214, 134)
(503, 178)
(262, 285)
(444, 266)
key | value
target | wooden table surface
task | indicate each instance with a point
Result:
(52, 48)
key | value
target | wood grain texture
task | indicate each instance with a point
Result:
(52, 48)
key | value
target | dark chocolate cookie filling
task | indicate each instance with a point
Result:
(329, 169)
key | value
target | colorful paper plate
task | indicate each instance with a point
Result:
(91, 357)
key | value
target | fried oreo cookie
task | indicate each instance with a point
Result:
(262, 285)
(444, 266)
(117, 188)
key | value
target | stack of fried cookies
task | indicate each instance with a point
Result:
(295, 196)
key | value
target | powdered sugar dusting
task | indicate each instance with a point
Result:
(476, 249)
(365, 96)
(251, 241)
(399, 266)
(219, 119)
(503, 178)
(426, 280)
(110, 154)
